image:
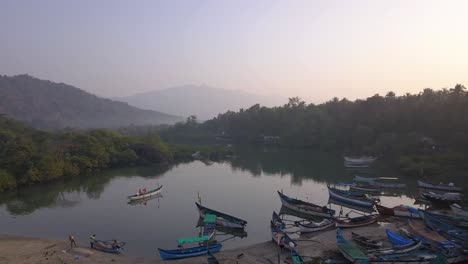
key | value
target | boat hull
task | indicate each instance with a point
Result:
(315, 227)
(101, 246)
(310, 210)
(188, 252)
(347, 199)
(458, 210)
(350, 224)
(222, 219)
(439, 187)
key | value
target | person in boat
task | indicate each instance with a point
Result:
(115, 245)
(92, 239)
(139, 192)
(144, 190)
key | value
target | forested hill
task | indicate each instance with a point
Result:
(378, 124)
(48, 105)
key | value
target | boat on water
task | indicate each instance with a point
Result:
(222, 218)
(306, 207)
(359, 160)
(445, 198)
(357, 221)
(358, 178)
(348, 198)
(366, 241)
(145, 195)
(365, 188)
(400, 210)
(223, 230)
(420, 230)
(441, 187)
(387, 185)
(311, 226)
(188, 252)
(108, 246)
(459, 210)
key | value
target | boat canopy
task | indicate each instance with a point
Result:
(191, 240)
(209, 219)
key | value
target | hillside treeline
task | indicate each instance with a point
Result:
(418, 129)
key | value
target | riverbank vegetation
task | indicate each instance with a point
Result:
(29, 156)
(415, 130)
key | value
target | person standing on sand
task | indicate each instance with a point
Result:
(92, 239)
(72, 241)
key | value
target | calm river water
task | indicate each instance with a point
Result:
(244, 186)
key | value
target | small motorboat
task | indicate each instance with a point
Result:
(145, 195)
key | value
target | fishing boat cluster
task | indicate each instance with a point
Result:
(436, 234)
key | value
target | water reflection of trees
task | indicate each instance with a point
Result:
(299, 164)
(68, 193)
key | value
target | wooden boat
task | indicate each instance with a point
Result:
(357, 221)
(420, 230)
(359, 160)
(108, 246)
(365, 188)
(312, 226)
(347, 198)
(350, 251)
(280, 237)
(189, 252)
(387, 185)
(148, 194)
(447, 198)
(364, 209)
(144, 200)
(402, 245)
(454, 234)
(442, 187)
(400, 210)
(277, 221)
(296, 258)
(224, 230)
(363, 179)
(305, 207)
(367, 242)
(222, 218)
(459, 210)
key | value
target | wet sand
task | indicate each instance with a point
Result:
(318, 247)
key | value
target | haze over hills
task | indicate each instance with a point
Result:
(48, 105)
(203, 101)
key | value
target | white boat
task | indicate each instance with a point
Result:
(459, 210)
(315, 226)
(364, 159)
(148, 194)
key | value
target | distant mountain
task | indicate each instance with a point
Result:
(48, 105)
(203, 101)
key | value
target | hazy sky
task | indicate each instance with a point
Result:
(312, 49)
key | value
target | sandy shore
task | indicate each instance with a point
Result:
(20, 250)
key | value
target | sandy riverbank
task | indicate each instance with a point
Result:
(20, 250)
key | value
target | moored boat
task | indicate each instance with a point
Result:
(222, 218)
(306, 207)
(296, 258)
(420, 230)
(359, 160)
(446, 198)
(365, 188)
(347, 198)
(442, 187)
(400, 210)
(366, 241)
(357, 221)
(350, 251)
(457, 235)
(459, 210)
(387, 185)
(188, 252)
(312, 226)
(145, 195)
(401, 245)
(279, 236)
(108, 246)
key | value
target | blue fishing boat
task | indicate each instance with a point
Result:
(454, 234)
(397, 240)
(189, 252)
